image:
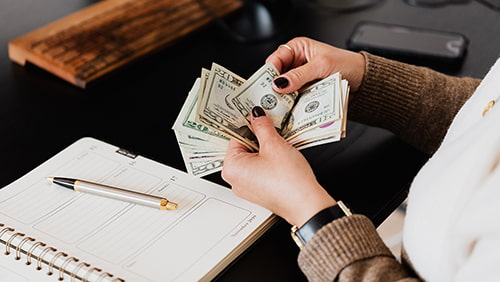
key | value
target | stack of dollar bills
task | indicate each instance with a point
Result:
(218, 108)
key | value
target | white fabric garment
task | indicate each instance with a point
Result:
(452, 227)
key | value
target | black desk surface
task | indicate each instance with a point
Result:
(135, 108)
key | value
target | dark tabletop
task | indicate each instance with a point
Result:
(135, 108)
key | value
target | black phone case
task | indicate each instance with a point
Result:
(445, 51)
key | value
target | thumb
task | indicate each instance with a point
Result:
(263, 126)
(295, 78)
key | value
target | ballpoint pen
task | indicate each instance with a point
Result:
(114, 193)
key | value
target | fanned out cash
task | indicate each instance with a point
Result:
(218, 109)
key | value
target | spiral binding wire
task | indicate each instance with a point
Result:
(53, 260)
(9, 242)
(40, 259)
(19, 247)
(63, 266)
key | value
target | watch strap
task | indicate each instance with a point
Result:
(305, 233)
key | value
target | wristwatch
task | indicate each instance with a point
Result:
(305, 233)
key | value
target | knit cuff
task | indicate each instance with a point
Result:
(387, 96)
(338, 244)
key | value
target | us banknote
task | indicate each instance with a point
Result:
(218, 109)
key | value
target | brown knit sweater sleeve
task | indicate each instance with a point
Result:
(415, 103)
(349, 249)
(418, 105)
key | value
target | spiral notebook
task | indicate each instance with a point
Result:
(49, 233)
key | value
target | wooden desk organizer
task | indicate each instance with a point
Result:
(105, 36)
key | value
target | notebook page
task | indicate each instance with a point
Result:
(130, 241)
(13, 271)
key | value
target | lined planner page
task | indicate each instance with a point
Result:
(130, 241)
(13, 271)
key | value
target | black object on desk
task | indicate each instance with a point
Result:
(419, 46)
(493, 4)
(257, 20)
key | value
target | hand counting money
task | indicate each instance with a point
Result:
(218, 108)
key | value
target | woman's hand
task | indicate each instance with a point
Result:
(308, 60)
(278, 177)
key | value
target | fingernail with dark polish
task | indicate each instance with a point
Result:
(258, 112)
(281, 82)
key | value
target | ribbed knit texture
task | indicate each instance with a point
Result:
(349, 238)
(416, 103)
(350, 249)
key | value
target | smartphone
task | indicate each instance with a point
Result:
(426, 47)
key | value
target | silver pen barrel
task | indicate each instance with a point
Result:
(124, 195)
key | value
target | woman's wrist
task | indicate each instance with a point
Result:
(357, 71)
(309, 206)
(307, 231)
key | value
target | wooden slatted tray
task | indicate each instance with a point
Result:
(105, 36)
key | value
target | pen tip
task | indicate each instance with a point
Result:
(51, 179)
(167, 205)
